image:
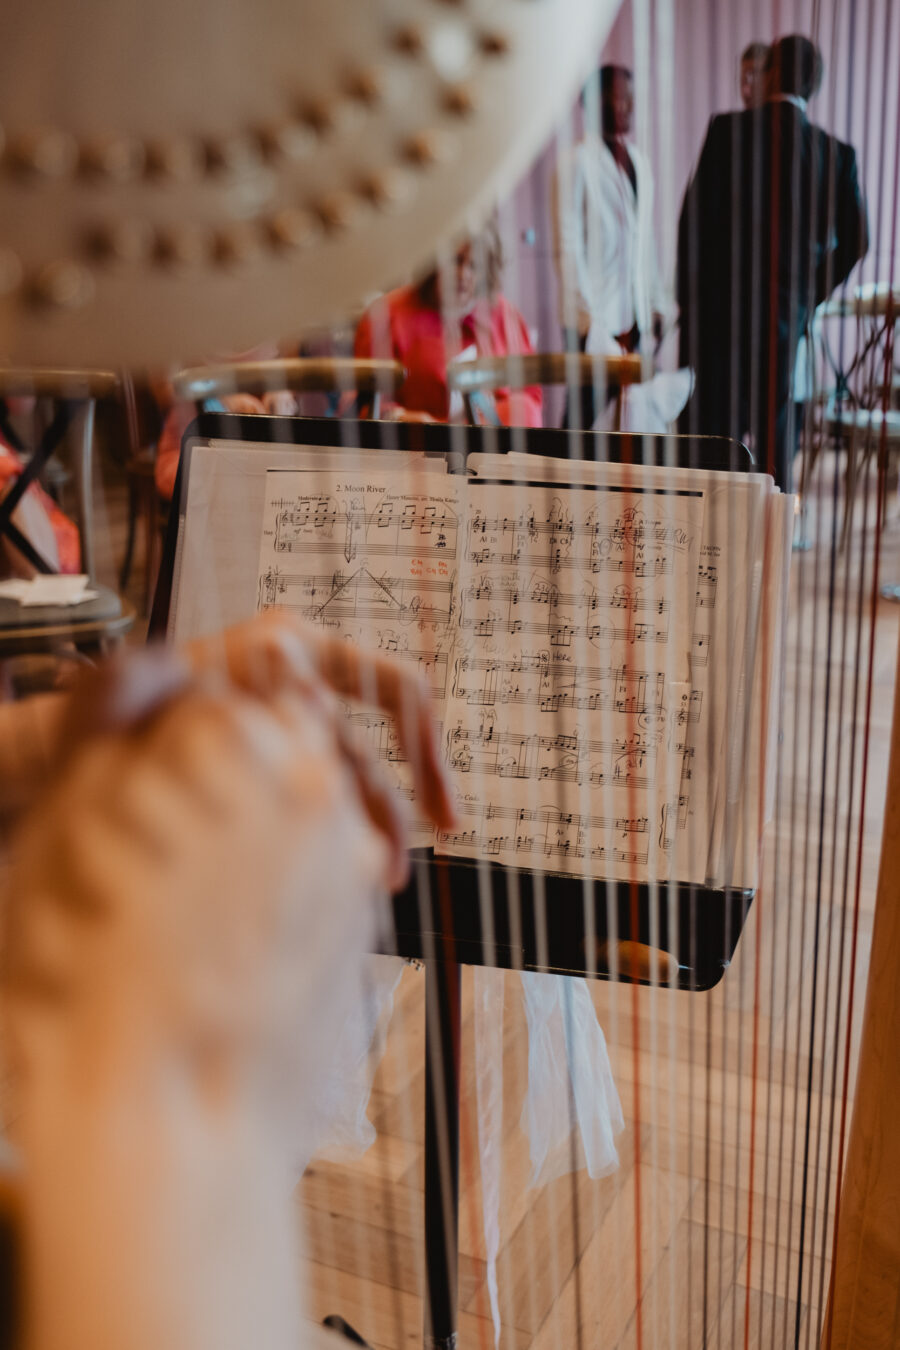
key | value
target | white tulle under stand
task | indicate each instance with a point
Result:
(571, 1112)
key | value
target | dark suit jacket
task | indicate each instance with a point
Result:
(772, 221)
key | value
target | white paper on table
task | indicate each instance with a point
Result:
(48, 590)
(13, 589)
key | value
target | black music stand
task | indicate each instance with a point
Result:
(438, 918)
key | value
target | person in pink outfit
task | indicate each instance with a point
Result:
(423, 328)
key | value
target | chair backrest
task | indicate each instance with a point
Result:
(301, 374)
(477, 379)
(576, 369)
(874, 300)
(74, 394)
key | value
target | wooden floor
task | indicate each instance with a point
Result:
(712, 1231)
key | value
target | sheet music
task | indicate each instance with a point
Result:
(754, 805)
(569, 691)
(716, 760)
(558, 704)
(216, 581)
(372, 558)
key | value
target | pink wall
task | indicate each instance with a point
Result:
(685, 57)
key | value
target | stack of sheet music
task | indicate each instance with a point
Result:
(603, 642)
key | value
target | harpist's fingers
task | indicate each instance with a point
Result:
(383, 806)
(374, 678)
(121, 693)
(274, 651)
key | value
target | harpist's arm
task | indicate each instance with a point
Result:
(29, 735)
(188, 910)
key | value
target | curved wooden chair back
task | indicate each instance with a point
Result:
(576, 369)
(301, 374)
(477, 379)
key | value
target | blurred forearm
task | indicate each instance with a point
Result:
(29, 734)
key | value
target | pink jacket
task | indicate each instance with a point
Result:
(399, 325)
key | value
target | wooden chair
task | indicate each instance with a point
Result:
(865, 434)
(363, 380)
(477, 380)
(105, 619)
(856, 414)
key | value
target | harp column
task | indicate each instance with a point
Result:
(864, 1311)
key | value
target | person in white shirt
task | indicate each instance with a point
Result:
(611, 296)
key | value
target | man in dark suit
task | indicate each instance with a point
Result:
(772, 221)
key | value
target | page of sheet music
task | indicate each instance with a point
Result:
(370, 557)
(536, 624)
(716, 762)
(754, 805)
(216, 581)
(569, 691)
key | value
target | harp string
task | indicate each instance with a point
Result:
(807, 833)
(811, 603)
(664, 35)
(368, 1238)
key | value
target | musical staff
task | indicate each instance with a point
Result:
(564, 758)
(550, 685)
(707, 586)
(630, 528)
(330, 598)
(550, 834)
(557, 559)
(539, 591)
(489, 607)
(395, 528)
(618, 538)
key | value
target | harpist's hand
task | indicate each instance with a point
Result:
(188, 910)
(264, 657)
(276, 651)
(188, 822)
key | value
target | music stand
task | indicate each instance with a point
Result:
(438, 919)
